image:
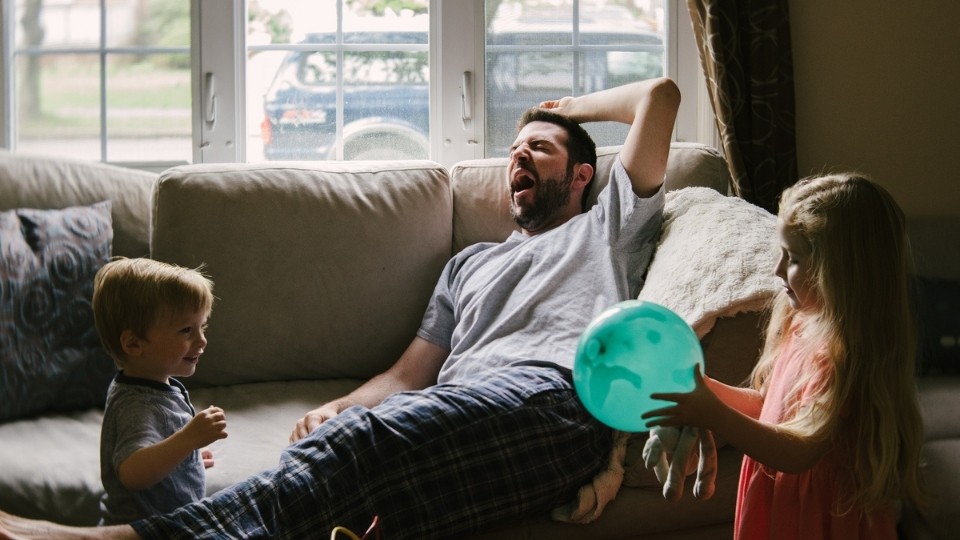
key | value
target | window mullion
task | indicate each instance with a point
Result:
(338, 137)
(695, 117)
(456, 47)
(102, 55)
(218, 66)
(6, 73)
(575, 40)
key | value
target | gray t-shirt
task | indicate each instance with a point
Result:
(141, 413)
(530, 297)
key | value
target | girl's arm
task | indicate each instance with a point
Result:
(732, 417)
(746, 400)
(151, 464)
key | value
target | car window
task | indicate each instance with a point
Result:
(363, 67)
(387, 67)
(546, 50)
(520, 74)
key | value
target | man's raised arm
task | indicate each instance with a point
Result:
(650, 107)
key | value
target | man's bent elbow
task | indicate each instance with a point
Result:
(664, 90)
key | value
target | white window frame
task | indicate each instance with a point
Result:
(6, 84)
(456, 49)
(218, 80)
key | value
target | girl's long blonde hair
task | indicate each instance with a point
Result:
(861, 342)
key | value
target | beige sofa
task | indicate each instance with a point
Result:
(322, 271)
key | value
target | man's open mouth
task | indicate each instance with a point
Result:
(521, 180)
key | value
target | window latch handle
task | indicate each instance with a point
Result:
(466, 98)
(210, 99)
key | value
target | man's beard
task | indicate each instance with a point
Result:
(553, 194)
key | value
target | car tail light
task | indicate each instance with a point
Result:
(266, 131)
(303, 116)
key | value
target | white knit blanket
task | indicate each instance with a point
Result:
(715, 258)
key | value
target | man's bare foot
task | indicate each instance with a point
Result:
(18, 528)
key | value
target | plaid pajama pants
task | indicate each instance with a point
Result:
(436, 463)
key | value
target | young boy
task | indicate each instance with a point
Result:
(151, 318)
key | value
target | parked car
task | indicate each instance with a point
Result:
(522, 72)
(385, 101)
(385, 94)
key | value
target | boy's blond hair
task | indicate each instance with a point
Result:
(134, 294)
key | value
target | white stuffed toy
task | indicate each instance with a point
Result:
(674, 453)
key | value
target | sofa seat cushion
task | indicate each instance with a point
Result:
(939, 401)
(51, 467)
(642, 512)
(61, 479)
(260, 419)
(939, 475)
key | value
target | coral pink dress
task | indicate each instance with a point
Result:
(772, 504)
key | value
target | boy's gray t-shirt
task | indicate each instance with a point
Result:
(529, 298)
(141, 413)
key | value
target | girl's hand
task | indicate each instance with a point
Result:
(695, 408)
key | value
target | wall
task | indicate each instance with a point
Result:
(877, 86)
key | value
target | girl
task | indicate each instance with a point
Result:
(831, 427)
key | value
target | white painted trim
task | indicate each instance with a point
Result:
(216, 60)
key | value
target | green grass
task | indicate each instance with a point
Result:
(142, 100)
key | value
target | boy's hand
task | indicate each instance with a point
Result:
(207, 456)
(207, 426)
(153, 463)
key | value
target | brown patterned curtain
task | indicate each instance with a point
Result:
(746, 56)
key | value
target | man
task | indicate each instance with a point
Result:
(477, 422)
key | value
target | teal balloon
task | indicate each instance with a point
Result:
(628, 352)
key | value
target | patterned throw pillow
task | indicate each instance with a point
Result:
(50, 356)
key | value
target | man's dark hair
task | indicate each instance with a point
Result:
(580, 146)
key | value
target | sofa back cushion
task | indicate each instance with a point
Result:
(320, 269)
(47, 182)
(481, 202)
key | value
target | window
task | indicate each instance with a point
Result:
(540, 51)
(357, 92)
(160, 82)
(118, 94)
